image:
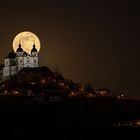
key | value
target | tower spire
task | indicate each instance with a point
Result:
(19, 45)
(34, 43)
(19, 49)
(34, 47)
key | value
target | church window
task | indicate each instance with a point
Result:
(28, 61)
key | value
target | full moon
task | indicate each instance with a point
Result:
(27, 40)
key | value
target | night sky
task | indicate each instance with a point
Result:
(96, 42)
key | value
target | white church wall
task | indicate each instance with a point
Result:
(7, 62)
(20, 63)
(13, 70)
(13, 65)
(35, 62)
(6, 71)
(28, 61)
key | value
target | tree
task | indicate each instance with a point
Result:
(89, 88)
(56, 71)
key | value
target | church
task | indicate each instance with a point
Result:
(15, 61)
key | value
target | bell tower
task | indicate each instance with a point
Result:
(34, 55)
(19, 57)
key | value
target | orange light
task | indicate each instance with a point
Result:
(82, 89)
(90, 94)
(16, 92)
(62, 84)
(33, 83)
(43, 81)
(122, 95)
(72, 93)
(138, 122)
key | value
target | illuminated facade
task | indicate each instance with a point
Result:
(14, 62)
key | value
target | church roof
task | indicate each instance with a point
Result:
(11, 55)
(34, 49)
(19, 49)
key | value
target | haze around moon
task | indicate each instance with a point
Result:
(27, 40)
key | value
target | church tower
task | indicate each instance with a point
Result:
(19, 57)
(31, 60)
(34, 55)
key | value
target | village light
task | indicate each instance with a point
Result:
(72, 93)
(33, 83)
(122, 95)
(138, 122)
(90, 94)
(81, 89)
(16, 92)
(43, 81)
(62, 84)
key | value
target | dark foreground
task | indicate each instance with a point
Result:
(23, 114)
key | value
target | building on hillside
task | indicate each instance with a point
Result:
(103, 92)
(14, 62)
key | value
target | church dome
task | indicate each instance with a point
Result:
(19, 48)
(34, 49)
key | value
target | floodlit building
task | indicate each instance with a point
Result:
(14, 62)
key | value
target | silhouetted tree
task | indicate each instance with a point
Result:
(89, 88)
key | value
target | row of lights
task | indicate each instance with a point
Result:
(135, 123)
